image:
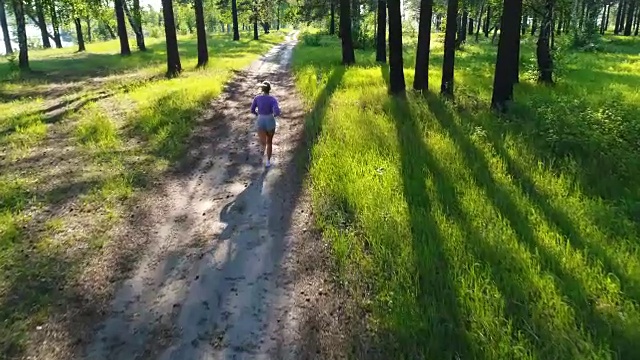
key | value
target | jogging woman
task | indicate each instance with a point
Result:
(265, 107)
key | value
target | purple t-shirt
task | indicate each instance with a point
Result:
(266, 104)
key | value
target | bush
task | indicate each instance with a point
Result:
(312, 40)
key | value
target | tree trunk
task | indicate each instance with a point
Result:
(421, 77)
(78, 24)
(619, 14)
(487, 23)
(381, 33)
(332, 22)
(479, 22)
(523, 25)
(89, 32)
(507, 58)
(135, 20)
(462, 31)
(278, 15)
(42, 24)
(471, 27)
(630, 13)
(534, 25)
(582, 15)
(23, 57)
(203, 51)
(112, 34)
(174, 68)
(495, 31)
(234, 15)
(603, 19)
(606, 22)
(255, 25)
(348, 56)
(560, 24)
(543, 52)
(635, 33)
(55, 24)
(446, 87)
(396, 64)
(122, 28)
(5, 29)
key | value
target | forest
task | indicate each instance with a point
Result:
(472, 165)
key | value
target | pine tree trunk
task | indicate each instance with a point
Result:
(446, 87)
(112, 34)
(421, 76)
(471, 27)
(635, 33)
(78, 24)
(174, 68)
(630, 14)
(56, 25)
(332, 22)
(534, 25)
(507, 58)
(479, 22)
(462, 30)
(278, 16)
(42, 24)
(5, 29)
(619, 15)
(89, 32)
(122, 28)
(255, 25)
(234, 15)
(137, 16)
(203, 51)
(348, 55)
(487, 23)
(543, 52)
(523, 25)
(396, 64)
(381, 33)
(560, 24)
(135, 20)
(23, 57)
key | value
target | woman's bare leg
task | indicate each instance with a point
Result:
(262, 137)
(269, 145)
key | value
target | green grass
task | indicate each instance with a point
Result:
(81, 139)
(470, 236)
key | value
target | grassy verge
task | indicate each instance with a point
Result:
(469, 236)
(82, 138)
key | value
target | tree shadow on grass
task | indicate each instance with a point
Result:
(609, 332)
(443, 335)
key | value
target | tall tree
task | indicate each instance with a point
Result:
(174, 68)
(78, 24)
(122, 28)
(543, 51)
(135, 20)
(5, 29)
(396, 64)
(619, 17)
(234, 16)
(23, 57)
(55, 24)
(421, 76)
(348, 55)
(446, 88)
(254, 18)
(203, 51)
(508, 53)
(42, 23)
(332, 20)
(630, 14)
(487, 23)
(381, 33)
(89, 32)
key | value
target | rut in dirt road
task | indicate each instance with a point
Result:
(216, 282)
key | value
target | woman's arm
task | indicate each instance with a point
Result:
(276, 108)
(254, 104)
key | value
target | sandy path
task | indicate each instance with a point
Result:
(217, 281)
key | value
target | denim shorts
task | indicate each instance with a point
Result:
(266, 123)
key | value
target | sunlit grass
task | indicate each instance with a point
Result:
(469, 236)
(81, 138)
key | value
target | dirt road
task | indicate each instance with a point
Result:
(219, 280)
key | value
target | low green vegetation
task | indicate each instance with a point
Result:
(468, 236)
(81, 138)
